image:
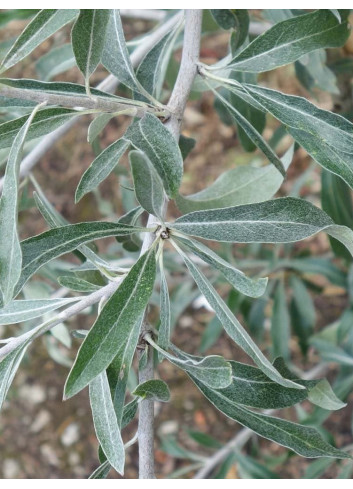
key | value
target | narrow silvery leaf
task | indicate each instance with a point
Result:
(10, 249)
(232, 326)
(281, 220)
(290, 39)
(304, 440)
(152, 69)
(100, 168)
(246, 285)
(44, 24)
(129, 412)
(40, 249)
(148, 185)
(23, 310)
(213, 370)
(8, 369)
(56, 61)
(154, 390)
(253, 135)
(322, 395)
(45, 121)
(105, 422)
(121, 365)
(97, 126)
(238, 186)
(114, 324)
(77, 284)
(151, 137)
(280, 324)
(326, 136)
(87, 37)
(165, 326)
(102, 471)
(115, 56)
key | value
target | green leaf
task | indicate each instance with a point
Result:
(247, 286)
(313, 73)
(326, 136)
(77, 284)
(213, 370)
(154, 390)
(253, 134)
(248, 468)
(97, 126)
(232, 326)
(100, 168)
(148, 185)
(56, 61)
(322, 395)
(241, 185)
(88, 35)
(129, 412)
(280, 324)
(303, 313)
(165, 323)
(44, 122)
(44, 24)
(303, 440)
(40, 249)
(102, 471)
(283, 220)
(10, 249)
(112, 329)
(105, 422)
(115, 56)
(24, 310)
(151, 137)
(8, 368)
(290, 39)
(8, 15)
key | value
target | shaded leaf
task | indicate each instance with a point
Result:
(154, 390)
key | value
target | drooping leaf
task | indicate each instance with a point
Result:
(100, 168)
(288, 40)
(322, 395)
(8, 369)
(88, 35)
(281, 220)
(246, 285)
(40, 249)
(113, 326)
(165, 323)
(232, 326)
(238, 186)
(151, 137)
(326, 136)
(10, 249)
(45, 121)
(105, 422)
(44, 24)
(304, 440)
(154, 390)
(148, 185)
(24, 310)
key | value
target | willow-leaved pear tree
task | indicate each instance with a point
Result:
(240, 207)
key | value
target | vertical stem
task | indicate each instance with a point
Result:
(177, 104)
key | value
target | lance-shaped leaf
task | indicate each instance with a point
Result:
(151, 137)
(281, 220)
(10, 249)
(154, 390)
(165, 324)
(88, 35)
(246, 285)
(238, 186)
(322, 395)
(44, 24)
(97, 125)
(113, 326)
(148, 185)
(77, 284)
(40, 249)
(232, 326)
(8, 368)
(280, 323)
(24, 310)
(253, 134)
(56, 61)
(105, 422)
(115, 56)
(213, 370)
(45, 121)
(152, 69)
(326, 136)
(100, 168)
(290, 39)
(304, 440)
